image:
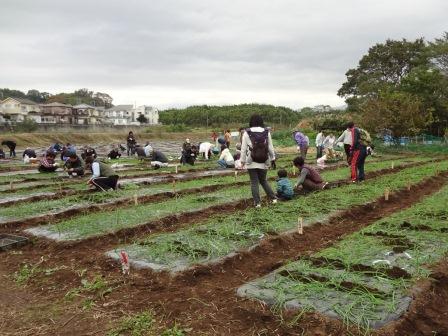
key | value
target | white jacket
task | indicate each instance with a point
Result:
(346, 138)
(245, 151)
(226, 156)
(319, 139)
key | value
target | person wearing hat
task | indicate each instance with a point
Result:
(74, 165)
(47, 163)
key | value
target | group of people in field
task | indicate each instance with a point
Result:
(253, 151)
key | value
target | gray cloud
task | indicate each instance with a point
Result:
(170, 52)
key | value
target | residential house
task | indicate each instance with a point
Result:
(17, 109)
(56, 113)
(84, 114)
(151, 114)
(119, 115)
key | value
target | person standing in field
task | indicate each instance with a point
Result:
(302, 143)
(361, 141)
(257, 151)
(309, 179)
(319, 143)
(131, 142)
(346, 139)
(227, 138)
(103, 176)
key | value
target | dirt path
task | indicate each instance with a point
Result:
(204, 299)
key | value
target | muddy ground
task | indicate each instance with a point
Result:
(203, 300)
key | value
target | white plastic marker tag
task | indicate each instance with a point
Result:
(124, 259)
(135, 199)
(177, 169)
(300, 225)
(236, 174)
(392, 165)
(386, 194)
(293, 170)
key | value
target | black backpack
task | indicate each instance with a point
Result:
(259, 152)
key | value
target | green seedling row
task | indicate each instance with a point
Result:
(409, 241)
(223, 235)
(145, 213)
(45, 206)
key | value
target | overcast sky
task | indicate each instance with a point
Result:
(177, 53)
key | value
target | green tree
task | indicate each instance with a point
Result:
(401, 113)
(382, 69)
(142, 119)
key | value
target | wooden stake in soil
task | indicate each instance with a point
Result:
(177, 169)
(135, 199)
(408, 185)
(392, 165)
(236, 174)
(11, 186)
(386, 194)
(174, 186)
(293, 170)
(300, 225)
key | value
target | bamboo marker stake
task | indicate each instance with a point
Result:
(177, 169)
(392, 165)
(386, 194)
(60, 187)
(408, 186)
(293, 170)
(135, 199)
(11, 186)
(300, 225)
(236, 174)
(174, 186)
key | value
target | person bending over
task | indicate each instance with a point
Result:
(74, 165)
(103, 176)
(309, 179)
(12, 147)
(47, 163)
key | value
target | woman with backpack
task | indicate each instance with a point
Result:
(257, 152)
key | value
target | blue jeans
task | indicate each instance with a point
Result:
(360, 163)
(223, 164)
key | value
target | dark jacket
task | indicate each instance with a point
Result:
(159, 156)
(30, 152)
(9, 143)
(77, 166)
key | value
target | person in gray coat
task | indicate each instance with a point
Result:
(257, 152)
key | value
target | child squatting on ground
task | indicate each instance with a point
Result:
(285, 191)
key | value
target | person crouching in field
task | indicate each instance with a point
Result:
(158, 159)
(103, 176)
(309, 178)
(114, 154)
(284, 187)
(226, 159)
(74, 165)
(47, 163)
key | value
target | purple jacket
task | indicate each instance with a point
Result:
(300, 139)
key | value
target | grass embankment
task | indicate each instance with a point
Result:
(219, 236)
(354, 280)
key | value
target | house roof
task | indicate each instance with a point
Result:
(21, 100)
(56, 104)
(120, 108)
(82, 106)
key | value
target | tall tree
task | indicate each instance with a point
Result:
(382, 69)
